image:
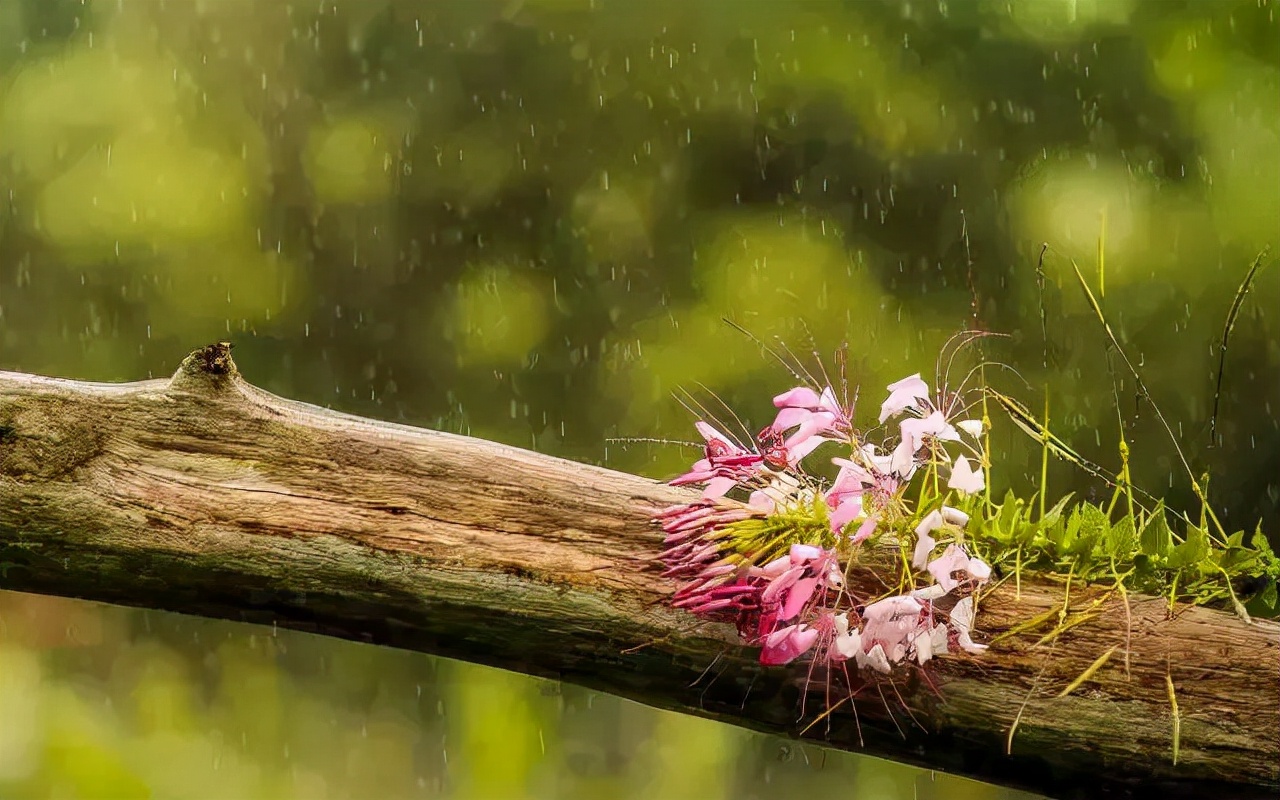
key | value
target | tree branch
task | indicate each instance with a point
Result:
(205, 495)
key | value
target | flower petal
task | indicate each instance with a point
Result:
(848, 510)
(841, 623)
(773, 592)
(761, 501)
(923, 644)
(789, 417)
(866, 529)
(711, 434)
(799, 397)
(979, 569)
(875, 659)
(718, 487)
(962, 624)
(973, 427)
(924, 548)
(903, 395)
(802, 553)
(935, 425)
(797, 452)
(903, 460)
(964, 478)
(952, 560)
(786, 644)
(797, 596)
(776, 567)
(847, 644)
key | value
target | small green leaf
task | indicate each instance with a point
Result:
(1269, 595)
(1120, 539)
(1191, 551)
(1156, 539)
(1025, 533)
(1010, 511)
(1093, 527)
(1054, 514)
(1260, 543)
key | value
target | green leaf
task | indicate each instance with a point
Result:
(1156, 539)
(1192, 551)
(1024, 533)
(1260, 543)
(1010, 512)
(1062, 535)
(1120, 539)
(1054, 514)
(1269, 595)
(1093, 526)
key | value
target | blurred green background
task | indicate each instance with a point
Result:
(525, 220)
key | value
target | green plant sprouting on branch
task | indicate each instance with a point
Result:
(778, 566)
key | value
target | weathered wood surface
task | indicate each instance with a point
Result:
(205, 495)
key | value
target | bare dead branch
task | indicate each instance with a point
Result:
(204, 495)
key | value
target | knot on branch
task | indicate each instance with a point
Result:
(208, 369)
(46, 441)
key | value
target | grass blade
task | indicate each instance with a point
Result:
(1089, 672)
(1232, 313)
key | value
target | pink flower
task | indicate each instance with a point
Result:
(815, 417)
(844, 509)
(795, 578)
(846, 497)
(903, 395)
(787, 644)
(903, 459)
(727, 599)
(723, 466)
(795, 583)
(866, 529)
(761, 500)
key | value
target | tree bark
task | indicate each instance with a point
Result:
(205, 495)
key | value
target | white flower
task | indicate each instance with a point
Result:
(903, 395)
(924, 542)
(964, 478)
(931, 592)
(931, 522)
(876, 659)
(962, 624)
(973, 427)
(847, 643)
(915, 430)
(954, 559)
(929, 642)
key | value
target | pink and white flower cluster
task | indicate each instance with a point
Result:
(793, 601)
